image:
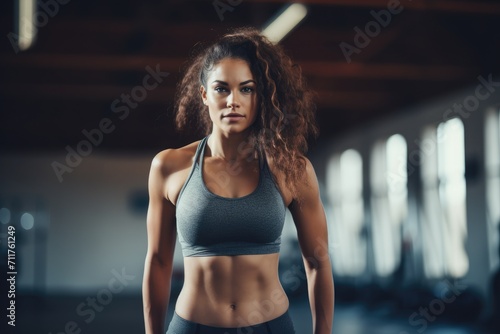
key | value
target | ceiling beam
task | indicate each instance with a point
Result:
(328, 69)
(89, 62)
(476, 7)
(326, 98)
(390, 71)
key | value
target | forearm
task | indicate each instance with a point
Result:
(321, 299)
(155, 295)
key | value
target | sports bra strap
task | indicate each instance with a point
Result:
(200, 150)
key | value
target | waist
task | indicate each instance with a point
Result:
(231, 291)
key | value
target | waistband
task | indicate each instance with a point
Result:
(280, 325)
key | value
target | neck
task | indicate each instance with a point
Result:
(230, 147)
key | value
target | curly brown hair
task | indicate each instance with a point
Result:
(286, 112)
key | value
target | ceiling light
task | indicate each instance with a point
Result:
(285, 21)
(26, 28)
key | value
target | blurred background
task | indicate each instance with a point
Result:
(408, 157)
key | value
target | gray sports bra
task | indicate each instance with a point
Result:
(211, 225)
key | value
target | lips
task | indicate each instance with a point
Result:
(233, 115)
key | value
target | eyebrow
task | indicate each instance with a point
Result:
(241, 84)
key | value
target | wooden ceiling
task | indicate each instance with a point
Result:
(91, 52)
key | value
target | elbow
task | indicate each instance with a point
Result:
(155, 260)
(317, 263)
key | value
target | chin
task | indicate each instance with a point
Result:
(235, 129)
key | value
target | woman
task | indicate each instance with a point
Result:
(226, 196)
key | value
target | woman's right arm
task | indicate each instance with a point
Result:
(161, 234)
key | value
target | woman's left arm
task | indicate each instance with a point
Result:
(310, 221)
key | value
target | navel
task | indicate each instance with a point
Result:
(232, 307)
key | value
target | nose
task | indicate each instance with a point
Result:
(232, 101)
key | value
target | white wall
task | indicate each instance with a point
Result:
(92, 228)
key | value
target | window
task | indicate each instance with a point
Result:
(492, 167)
(388, 181)
(344, 188)
(444, 224)
(431, 217)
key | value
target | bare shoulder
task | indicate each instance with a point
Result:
(306, 185)
(171, 160)
(310, 181)
(310, 172)
(280, 177)
(169, 169)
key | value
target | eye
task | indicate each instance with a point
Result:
(247, 89)
(219, 89)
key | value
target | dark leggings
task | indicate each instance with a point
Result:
(280, 325)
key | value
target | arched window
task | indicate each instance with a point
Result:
(389, 201)
(444, 221)
(344, 188)
(492, 167)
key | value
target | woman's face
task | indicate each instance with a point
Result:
(231, 96)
